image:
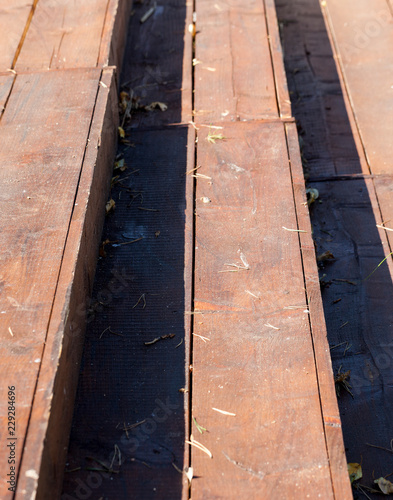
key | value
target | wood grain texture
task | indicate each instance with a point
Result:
(51, 415)
(114, 33)
(40, 176)
(61, 36)
(331, 415)
(6, 82)
(283, 100)
(362, 32)
(13, 18)
(233, 75)
(259, 361)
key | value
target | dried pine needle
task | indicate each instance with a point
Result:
(225, 412)
(294, 230)
(142, 297)
(383, 227)
(271, 326)
(380, 264)
(201, 337)
(200, 446)
(198, 426)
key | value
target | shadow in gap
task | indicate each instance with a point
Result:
(128, 401)
(357, 308)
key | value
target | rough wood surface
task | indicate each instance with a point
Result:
(6, 82)
(363, 36)
(233, 71)
(13, 19)
(51, 414)
(61, 36)
(40, 176)
(258, 362)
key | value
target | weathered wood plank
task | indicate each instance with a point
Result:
(13, 19)
(48, 431)
(41, 149)
(62, 36)
(158, 65)
(233, 73)
(363, 36)
(258, 362)
(6, 82)
(280, 78)
(330, 411)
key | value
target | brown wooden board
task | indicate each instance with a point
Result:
(142, 292)
(258, 362)
(62, 36)
(233, 71)
(41, 155)
(158, 63)
(50, 421)
(14, 17)
(6, 82)
(331, 415)
(363, 36)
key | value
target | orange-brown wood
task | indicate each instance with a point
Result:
(250, 303)
(283, 100)
(47, 435)
(42, 149)
(13, 19)
(233, 72)
(6, 82)
(62, 36)
(362, 33)
(330, 411)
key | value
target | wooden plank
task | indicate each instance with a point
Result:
(363, 36)
(6, 82)
(62, 36)
(331, 415)
(158, 66)
(114, 33)
(47, 437)
(233, 75)
(42, 149)
(258, 362)
(280, 78)
(13, 17)
(141, 382)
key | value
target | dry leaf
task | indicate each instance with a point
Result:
(124, 100)
(312, 195)
(122, 134)
(120, 165)
(325, 256)
(384, 485)
(110, 205)
(156, 105)
(355, 472)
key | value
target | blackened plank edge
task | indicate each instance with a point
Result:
(43, 460)
(330, 412)
(283, 100)
(114, 33)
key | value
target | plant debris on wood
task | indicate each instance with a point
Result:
(384, 485)
(163, 337)
(341, 380)
(354, 471)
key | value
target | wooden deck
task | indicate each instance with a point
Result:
(205, 323)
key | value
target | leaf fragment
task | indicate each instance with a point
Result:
(121, 131)
(325, 256)
(111, 204)
(354, 471)
(384, 485)
(312, 195)
(156, 105)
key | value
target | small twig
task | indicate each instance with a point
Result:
(148, 14)
(142, 297)
(110, 331)
(294, 230)
(148, 209)
(225, 412)
(346, 323)
(163, 337)
(383, 227)
(271, 326)
(199, 446)
(201, 337)
(179, 344)
(381, 448)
